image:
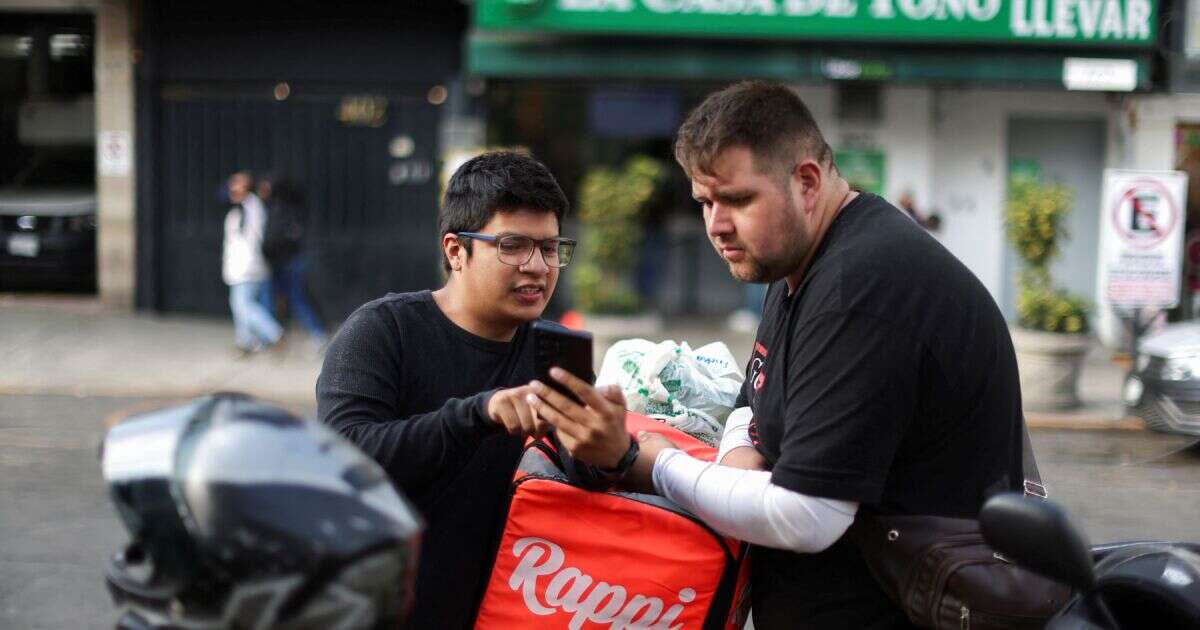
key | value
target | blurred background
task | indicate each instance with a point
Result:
(993, 123)
(121, 120)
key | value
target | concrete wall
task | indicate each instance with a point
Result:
(116, 225)
(970, 166)
(949, 147)
(903, 133)
(1152, 128)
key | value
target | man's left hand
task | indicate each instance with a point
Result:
(593, 432)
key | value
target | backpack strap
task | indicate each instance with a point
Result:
(1032, 485)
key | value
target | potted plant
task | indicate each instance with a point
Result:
(610, 209)
(1051, 336)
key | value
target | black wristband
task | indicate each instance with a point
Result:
(626, 462)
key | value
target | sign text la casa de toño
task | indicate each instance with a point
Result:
(1106, 22)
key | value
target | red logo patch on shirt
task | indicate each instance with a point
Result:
(758, 367)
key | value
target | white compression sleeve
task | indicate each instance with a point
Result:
(745, 504)
(737, 432)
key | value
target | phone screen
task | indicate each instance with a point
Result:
(570, 350)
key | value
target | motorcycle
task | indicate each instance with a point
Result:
(1146, 584)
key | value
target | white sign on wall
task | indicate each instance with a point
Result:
(114, 153)
(1105, 75)
(1141, 238)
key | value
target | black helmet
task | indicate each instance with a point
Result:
(244, 516)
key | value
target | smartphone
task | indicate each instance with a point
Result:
(570, 350)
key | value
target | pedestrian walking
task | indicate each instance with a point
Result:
(244, 268)
(283, 249)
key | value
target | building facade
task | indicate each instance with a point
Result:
(367, 106)
(936, 100)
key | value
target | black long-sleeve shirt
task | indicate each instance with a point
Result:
(410, 388)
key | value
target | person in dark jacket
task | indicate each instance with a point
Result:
(283, 248)
(433, 385)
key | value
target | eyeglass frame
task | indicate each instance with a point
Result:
(537, 245)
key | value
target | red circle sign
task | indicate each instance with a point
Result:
(1145, 214)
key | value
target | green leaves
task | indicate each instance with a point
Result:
(1042, 307)
(1033, 220)
(610, 208)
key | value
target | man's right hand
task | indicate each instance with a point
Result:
(744, 457)
(510, 409)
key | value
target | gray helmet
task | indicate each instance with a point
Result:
(243, 516)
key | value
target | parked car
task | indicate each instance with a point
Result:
(48, 224)
(1163, 389)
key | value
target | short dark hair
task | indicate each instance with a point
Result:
(499, 181)
(767, 118)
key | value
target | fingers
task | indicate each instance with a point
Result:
(525, 415)
(566, 426)
(613, 394)
(506, 415)
(650, 437)
(580, 388)
(555, 399)
(540, 426)
(510, 409)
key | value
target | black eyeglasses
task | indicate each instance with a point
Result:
(516, 250)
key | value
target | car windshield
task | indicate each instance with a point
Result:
(58, 169)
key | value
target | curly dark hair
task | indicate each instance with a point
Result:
(499, 181)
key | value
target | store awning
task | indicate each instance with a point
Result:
(504, 55)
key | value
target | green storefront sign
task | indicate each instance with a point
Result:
(863, 169)
(1041, 22)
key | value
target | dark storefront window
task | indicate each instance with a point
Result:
(576, 126)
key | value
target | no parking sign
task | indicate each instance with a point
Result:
(1141, 238)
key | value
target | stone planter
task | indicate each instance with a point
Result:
(1050, 364)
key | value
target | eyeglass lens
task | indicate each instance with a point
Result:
(518, 250)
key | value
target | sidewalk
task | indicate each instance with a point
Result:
(1100, 390)
(79, 347)
(76, 346)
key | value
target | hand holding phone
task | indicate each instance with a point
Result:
(570, 350)
(592, 430)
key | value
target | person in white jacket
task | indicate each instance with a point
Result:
(244, 268)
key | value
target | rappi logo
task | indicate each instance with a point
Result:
(572, 591)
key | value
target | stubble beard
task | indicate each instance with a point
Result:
(761, 271)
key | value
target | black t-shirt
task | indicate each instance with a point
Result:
(887, 378)
(410, 388)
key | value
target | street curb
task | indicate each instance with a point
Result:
(143, 392)
(1075, 423)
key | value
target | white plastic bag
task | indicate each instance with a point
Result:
(692, 390)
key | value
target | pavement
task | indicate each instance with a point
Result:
(78, 346)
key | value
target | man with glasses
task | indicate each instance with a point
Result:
(433, 385)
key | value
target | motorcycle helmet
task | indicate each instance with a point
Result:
(241, 515)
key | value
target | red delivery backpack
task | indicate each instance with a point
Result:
(574, 559)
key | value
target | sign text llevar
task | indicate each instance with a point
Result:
(1044, 22)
